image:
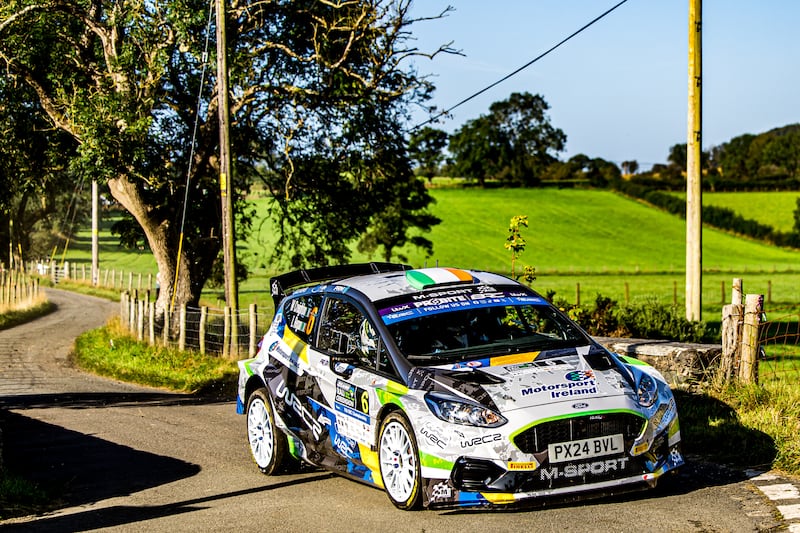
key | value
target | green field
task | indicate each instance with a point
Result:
(774, 209)
(599, 240)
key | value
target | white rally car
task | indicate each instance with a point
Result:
(449, 388)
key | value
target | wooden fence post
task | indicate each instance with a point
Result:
(226, 332)
(132, 316)
(736, 291)
(123, 307)
(202, 328)
(182, 329)
(731, 343)
(753, 307)
(165, 330)
(253, 330)
(151, 307)
(140, 320)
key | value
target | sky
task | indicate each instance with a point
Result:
(619, 89)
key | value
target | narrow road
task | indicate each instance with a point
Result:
(129, 458)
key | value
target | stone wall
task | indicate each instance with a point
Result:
(682, 364)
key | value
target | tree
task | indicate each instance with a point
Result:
(796, 227)
(515, 142)
(39, 206)
(477, 150)
(318, 98)
(630, 167)
(601, 173)
(426, 149)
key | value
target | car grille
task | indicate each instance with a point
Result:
(537, 438)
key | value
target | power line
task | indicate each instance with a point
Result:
(520, 69)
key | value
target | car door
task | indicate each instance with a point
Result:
(357, 363)
(293, 381)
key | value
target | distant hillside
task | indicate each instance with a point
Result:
(581, 231)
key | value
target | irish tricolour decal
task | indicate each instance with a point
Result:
(430, 277)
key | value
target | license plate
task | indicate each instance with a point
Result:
(585, 448)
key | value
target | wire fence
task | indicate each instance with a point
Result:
(779, 338)
(108, 278)
(224, 332)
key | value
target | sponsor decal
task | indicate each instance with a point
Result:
(484, 439)
(351, 396)
(432, 436)
(291, 399)
(279, 352)
(564, 390)
(522, 466)
(354, 429)
(361, 417)
(580, 405)
(579, 375)
(345, 446)
(445, 300)
(441, 491)
(595, 468)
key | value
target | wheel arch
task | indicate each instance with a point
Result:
(254, 382)
(385, 411)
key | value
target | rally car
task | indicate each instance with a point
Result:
(449, 388)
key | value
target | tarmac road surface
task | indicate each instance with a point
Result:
(128, 458)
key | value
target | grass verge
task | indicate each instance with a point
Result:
(754, 426)
(20, 497)
(14, 317)
(112, 352)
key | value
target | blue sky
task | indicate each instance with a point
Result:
(619, 89)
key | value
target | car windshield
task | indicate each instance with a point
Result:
(477, 331)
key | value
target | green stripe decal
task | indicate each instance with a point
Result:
(418, 279)
(431, 461)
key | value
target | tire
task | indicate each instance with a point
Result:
(267, 443)
(399, 462)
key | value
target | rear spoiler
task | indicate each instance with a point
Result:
(280, 285)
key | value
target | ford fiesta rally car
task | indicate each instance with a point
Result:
(449, 388)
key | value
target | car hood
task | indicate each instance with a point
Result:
(529, 379)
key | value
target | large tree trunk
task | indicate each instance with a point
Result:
(163, 241)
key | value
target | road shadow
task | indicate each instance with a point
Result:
(217, 393)
(77, 469)
(124, 515)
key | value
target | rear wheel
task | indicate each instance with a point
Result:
(399, 462)
(267, 442)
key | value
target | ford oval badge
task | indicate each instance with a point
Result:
(580, 405)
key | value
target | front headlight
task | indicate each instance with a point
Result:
(457, 411)
(646, 390)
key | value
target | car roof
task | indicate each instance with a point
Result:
(390, 284)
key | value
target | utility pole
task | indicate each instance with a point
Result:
(225, 178)
(95, 227)
(694, 194)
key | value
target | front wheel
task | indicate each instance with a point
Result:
(267, 442)
(399, 462)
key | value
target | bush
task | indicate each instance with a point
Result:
(649, 319)
(646, 318)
